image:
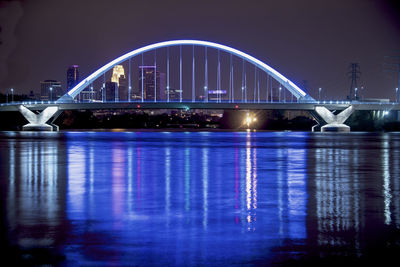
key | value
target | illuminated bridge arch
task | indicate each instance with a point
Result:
(289, 85)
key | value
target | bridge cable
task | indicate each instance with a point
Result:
(167, 74)
(258, 86)
(255, 84)
(205, 75)
(193, 78)
(219, 78)
(230, 79)
(129, 82)
(180, 73)
(142, 80)
(155, 75)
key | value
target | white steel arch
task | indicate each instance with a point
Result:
(294, 89)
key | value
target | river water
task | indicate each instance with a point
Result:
(200, 198)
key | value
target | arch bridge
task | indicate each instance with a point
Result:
(271, 89)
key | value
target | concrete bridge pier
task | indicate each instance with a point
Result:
(335, 123)
(38, 122)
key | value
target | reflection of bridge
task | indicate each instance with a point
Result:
(260, 93)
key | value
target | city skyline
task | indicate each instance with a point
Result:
(309, 43)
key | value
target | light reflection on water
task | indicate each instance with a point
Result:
(195, 198)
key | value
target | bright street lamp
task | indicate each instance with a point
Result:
(249, 120)
(12, 95)
(397, 94)
(319, 94)
(51, 93)
(280, 89)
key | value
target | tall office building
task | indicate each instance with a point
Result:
(118, 77)
(73, 79)
(118, 71)
(50, 90)
(150, 78)
(111, 91)
(72, 76)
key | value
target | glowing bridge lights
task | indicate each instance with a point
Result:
(294, 89)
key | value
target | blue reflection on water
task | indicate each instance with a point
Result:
(184, 198)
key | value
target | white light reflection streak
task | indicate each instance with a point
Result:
(386, 180)
(205, 186)
(251, 183)
(280, 194)
(167, 182)
(248, 176)
(76, 178)
(11, 191)
(118, 183)
(187, 178)
(396, 185)
(91, 178)
(130, 177)
(297, 192)
(254, 180)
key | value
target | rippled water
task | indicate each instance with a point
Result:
(197, 198)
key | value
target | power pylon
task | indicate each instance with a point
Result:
(394, 67)
(354, 74)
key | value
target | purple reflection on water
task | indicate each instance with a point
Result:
(200, 198)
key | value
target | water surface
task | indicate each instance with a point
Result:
(197, 198)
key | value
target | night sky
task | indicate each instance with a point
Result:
(310, 40)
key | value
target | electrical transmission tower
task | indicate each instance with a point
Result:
(354, 74)
(394, 67)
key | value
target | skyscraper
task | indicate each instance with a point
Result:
(148, 81)
(118, 77)
(50, 90)
(111, 90)
(72, 76)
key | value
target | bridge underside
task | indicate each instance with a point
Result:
(41, 116)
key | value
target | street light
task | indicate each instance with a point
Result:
(280, 89)
(319, 94)
(355, 93)
(397, 94)
(51, 93)
(249, 120)
(12, 95)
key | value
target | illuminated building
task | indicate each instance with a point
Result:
(118, 71)
(72, 76)
(111, 91)
(215, 95)
(122, 88)
(87, 95)
(146, 79)
(50, 90)
(173, 94)
(118, 77)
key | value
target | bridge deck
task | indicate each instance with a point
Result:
(202, 105)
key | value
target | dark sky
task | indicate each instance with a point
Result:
(311, 40)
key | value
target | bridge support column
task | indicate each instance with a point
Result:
(37, 122)
(334, 122)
